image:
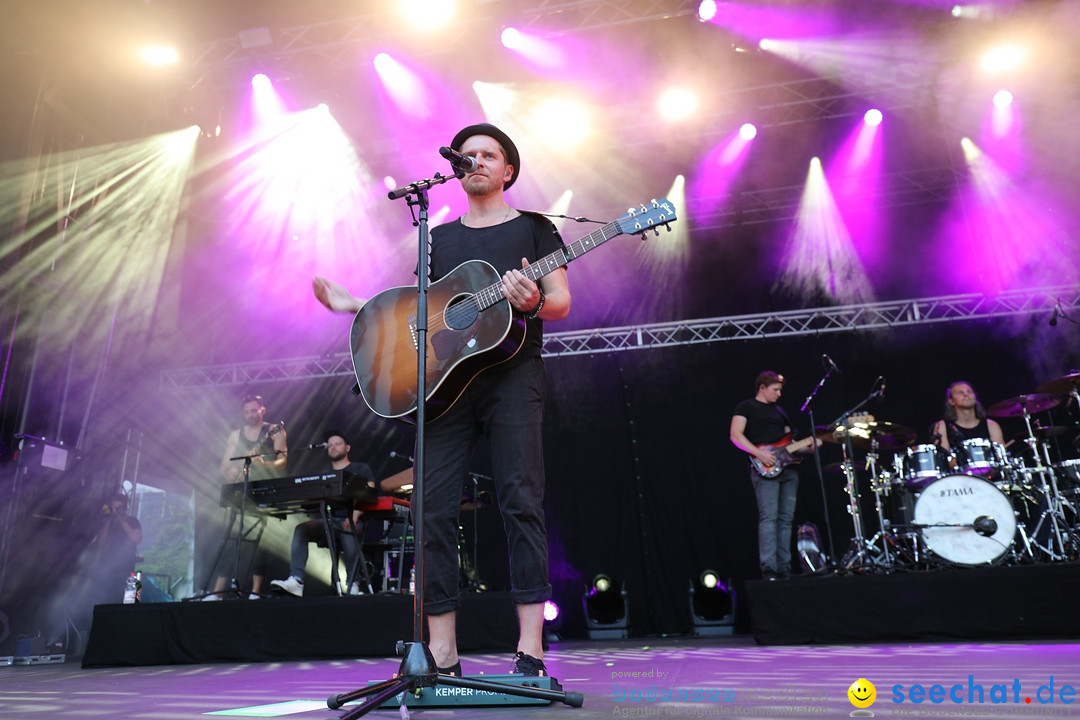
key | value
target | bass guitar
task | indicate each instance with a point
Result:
(783, 451)
(471, 326)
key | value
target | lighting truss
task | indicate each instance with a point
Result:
(564, 17)
(762, 326)
(749, 207)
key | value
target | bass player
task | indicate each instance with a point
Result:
(761, 428)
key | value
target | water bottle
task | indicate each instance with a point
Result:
(412, 580)
(131, 589)
(138, 587)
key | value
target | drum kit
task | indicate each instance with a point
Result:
(982, 503)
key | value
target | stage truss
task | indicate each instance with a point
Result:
(763, 326)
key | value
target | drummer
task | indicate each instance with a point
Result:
(964, 419)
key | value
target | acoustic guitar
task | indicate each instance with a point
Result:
(471, 326)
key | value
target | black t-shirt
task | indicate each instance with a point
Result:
(958, 434)
(765, 422)
(502, 246)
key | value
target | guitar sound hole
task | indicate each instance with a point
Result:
(461, 312)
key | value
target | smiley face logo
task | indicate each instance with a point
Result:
(862, 693)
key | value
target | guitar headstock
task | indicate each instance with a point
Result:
(651, 216)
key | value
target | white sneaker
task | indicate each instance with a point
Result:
(254, 596)
(354, 589)
(212, 596)
(293, 586)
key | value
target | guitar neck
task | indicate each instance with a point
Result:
(492, 294)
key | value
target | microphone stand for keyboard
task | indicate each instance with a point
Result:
(418, 669)
(234, 588)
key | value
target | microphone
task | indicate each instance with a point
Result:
(881, 388)
(1057, 312)
(832, 365)
(315, 446)
(985, 526)
(403, 456)
(462, 164)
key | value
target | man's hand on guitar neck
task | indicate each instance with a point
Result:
(334, 296)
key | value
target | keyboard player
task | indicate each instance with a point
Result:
(267, 447)
(341, 524)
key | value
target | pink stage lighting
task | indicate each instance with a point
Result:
(259, 81)
(1003, 99)
(748, 131)
(872, 117)
(706, 10)
(511, 38)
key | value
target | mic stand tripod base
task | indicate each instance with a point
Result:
(418, 671)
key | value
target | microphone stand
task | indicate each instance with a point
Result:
(807, 407)
(418, 669)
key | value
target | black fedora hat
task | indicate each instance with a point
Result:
(512, 157)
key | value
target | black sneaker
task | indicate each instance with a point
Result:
(528, 665)
(454, 670)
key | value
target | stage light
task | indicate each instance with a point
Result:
(706, 10)
(872, 117)
(159, 55)
(552, 621)
(511, 38)
(678, 104)
(427, 15)
(259, 81)
(748, 131)
(712, 605)
(1003, 99)
(607, 610)
(1002, 59)
(560, 122)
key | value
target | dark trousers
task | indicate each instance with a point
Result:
(507, 408)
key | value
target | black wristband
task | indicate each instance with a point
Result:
(532, 314)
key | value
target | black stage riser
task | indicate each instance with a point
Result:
(282, 629)
(1007, 603)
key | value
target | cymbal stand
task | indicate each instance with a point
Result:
(1056, 547)
(858, 552)
(885, 532)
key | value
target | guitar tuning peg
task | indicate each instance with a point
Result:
(631, 212)
(657, 231)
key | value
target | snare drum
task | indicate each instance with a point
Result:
(948, 510)
(923, 464)
(979, 456)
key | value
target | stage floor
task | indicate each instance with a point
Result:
(694, 678)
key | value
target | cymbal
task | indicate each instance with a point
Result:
(889, 436)
(1060, 386)
(1017, 406)
(1047, 433)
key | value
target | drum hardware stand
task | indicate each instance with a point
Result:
(858, 554)
(418, 669)
(884, 532)
(1050, 492)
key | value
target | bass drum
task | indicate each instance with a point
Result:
(948, 511)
